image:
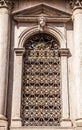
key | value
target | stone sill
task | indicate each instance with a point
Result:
(41, 128)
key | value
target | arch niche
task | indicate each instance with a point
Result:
(63, 52)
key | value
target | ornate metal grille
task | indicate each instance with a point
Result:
(41, 100)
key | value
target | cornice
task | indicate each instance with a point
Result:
(40, 13)
(7, 4)
(75, 3)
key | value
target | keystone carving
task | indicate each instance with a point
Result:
(42, 23)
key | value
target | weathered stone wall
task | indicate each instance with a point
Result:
(63, 24)
(17, 28)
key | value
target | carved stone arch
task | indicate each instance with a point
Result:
(50, 30)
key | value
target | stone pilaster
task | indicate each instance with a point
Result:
(4, 58)
(66, 121)
(17, 84)
(77, 23)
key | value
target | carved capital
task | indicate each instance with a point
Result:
(64, 52)
(19, 51)
(6, 3)
(75, 3)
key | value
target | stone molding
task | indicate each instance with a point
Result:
(64, 52)
(33, 30)
(47, 13)
(2, 117)
(7, 4)
(19, 51)
(35, 19)
(78, 122)
(75, 3)
(66, 123)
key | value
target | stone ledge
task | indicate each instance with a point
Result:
(66, 123)
(3, 125)
(19, 51)
(78, 122)
(41, 128)
(64, 52)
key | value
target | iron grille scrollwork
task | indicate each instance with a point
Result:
(41, 91)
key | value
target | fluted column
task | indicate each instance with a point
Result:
(77, 23)
(4, 58)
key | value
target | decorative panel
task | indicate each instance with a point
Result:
(41, 91)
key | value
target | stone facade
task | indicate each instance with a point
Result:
(19, 20)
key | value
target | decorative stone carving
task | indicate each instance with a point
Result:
(64, 52)
(19, 51)
(6, 3)
(42, 23)
(75, 3)
(43, 11)
(3, 2)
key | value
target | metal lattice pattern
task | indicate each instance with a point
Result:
(41, 102)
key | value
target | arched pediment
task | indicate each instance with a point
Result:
(32, 14)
